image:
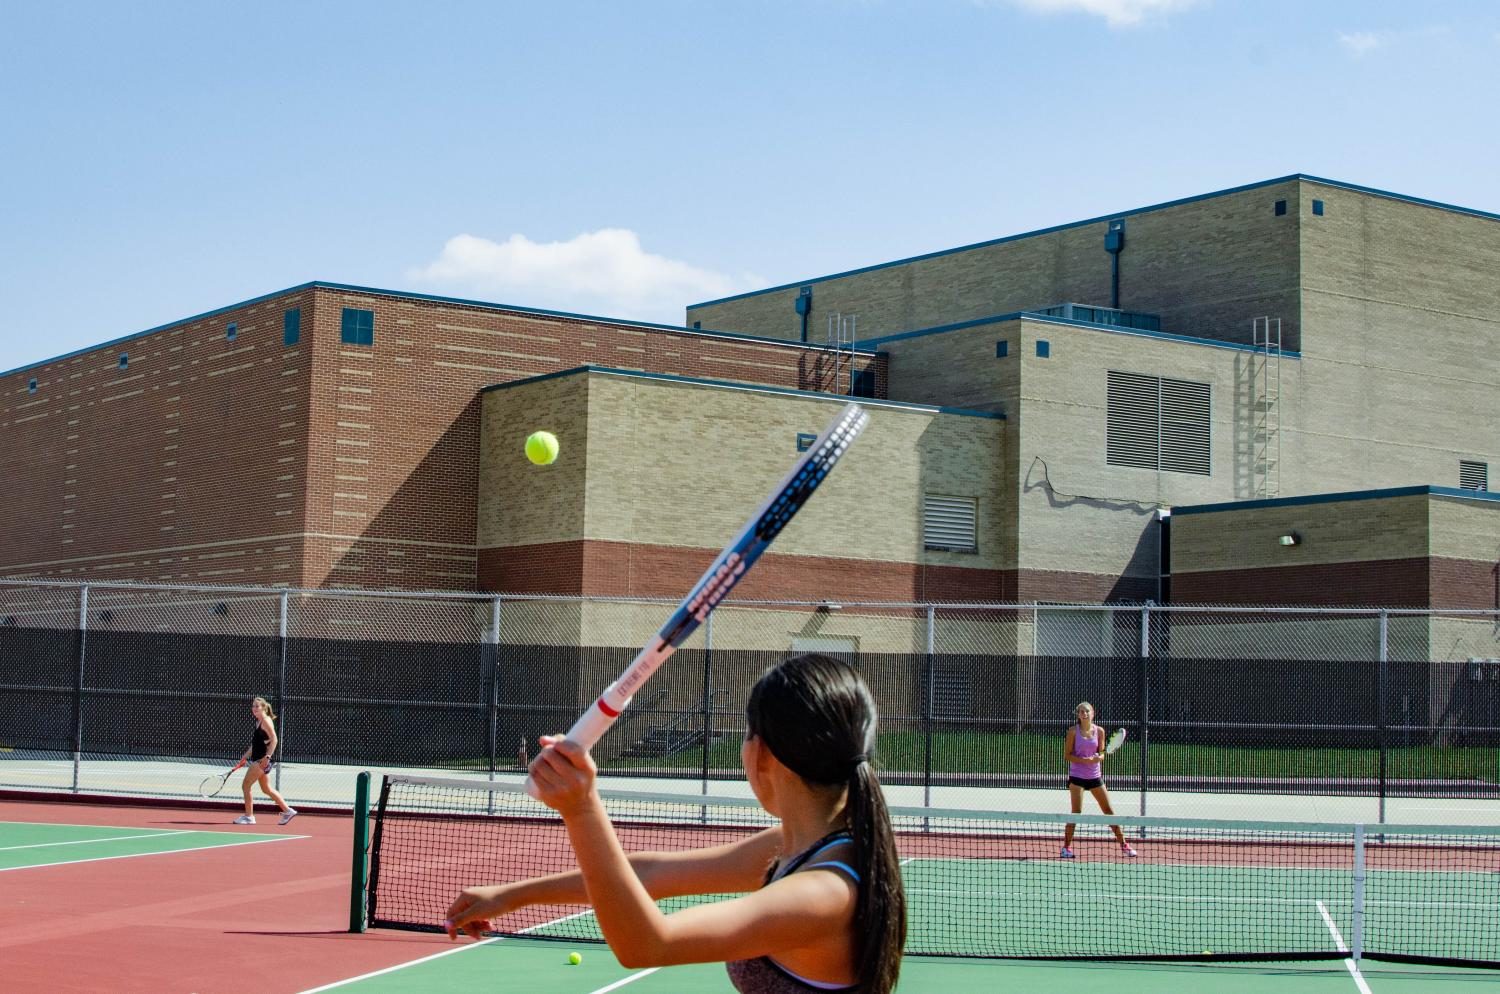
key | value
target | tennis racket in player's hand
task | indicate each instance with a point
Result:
(723, 574)
(1116, 740)
(563, 774)
(210, 785)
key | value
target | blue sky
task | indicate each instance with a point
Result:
(627, 158)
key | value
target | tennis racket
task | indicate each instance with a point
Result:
(726, 571)
(1116, 739)
(210, 785)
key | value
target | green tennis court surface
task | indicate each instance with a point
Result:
(541, 966)
(1182, 909)
(23, 844)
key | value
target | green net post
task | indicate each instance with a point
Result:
(361, 854)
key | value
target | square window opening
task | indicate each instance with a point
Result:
(357, 327)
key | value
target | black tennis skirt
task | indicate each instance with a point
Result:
(1085, 783)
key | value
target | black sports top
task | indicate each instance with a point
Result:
(258, 742)
(764, 975)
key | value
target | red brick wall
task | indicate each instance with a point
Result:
(1464, 583)
(323, 464)
(393, 464)
(1373, 583)
(1059, 586)
(623, 569)
(187, 466)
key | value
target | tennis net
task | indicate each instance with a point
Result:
(993, 884)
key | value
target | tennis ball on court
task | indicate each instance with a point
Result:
(541, 447)
(1208, 952)
(574, 959)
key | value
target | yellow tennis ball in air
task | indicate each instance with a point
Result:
(574, 959)
(541, 447)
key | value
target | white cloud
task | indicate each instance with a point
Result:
(1119, 13)
(604, 272)
(1362, 42)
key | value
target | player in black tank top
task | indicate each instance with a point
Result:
(260, 756)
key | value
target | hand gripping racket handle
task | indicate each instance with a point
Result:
(726, 570)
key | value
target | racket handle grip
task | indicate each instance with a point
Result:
(588, 729)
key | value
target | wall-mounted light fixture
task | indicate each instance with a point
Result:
(1291, 538)
(830, 606)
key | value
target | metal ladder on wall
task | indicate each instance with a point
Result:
(1266, 385)
(841, 332)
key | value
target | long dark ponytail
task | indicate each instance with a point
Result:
(818, 718)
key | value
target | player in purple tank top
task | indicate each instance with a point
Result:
(1083, 748)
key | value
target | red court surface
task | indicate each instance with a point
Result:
(266, 918)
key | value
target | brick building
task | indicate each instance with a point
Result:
(1040, 404)
(1287, 339)
(321, 436)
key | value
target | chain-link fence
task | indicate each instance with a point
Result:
(112, 688)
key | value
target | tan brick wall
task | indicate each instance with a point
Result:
(1076, 513)
(1400, 551)
(521, 503)
(1465, 528)
(1207, 266)
(1395, 386)
(1332, 532)
(674, 468)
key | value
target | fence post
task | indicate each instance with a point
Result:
(83, 648)
(708, 696)
(1382, 683)
(494, 657)
(281, 686)
(927, 711)
(1145, 700)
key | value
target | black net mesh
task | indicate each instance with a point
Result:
(993, 885)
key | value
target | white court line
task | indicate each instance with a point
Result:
(402, 966)
(1338, 939)
(164, 852)
(474, 945)
(107, 838)
(627, 980)
(74, 824)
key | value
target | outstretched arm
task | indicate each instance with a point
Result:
(732, 868)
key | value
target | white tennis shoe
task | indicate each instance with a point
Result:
(287, 816)
(245, 820)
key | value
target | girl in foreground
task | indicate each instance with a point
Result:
(822, 906)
